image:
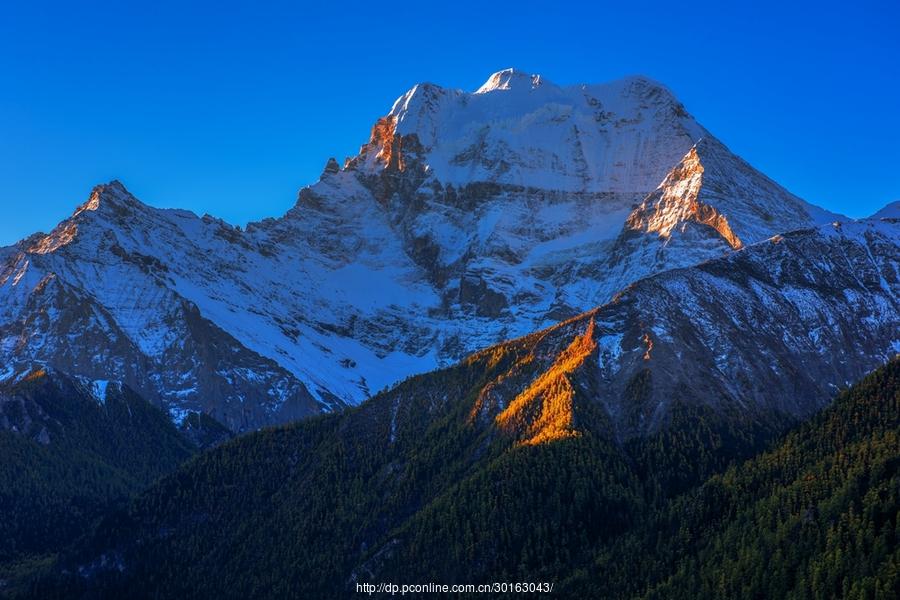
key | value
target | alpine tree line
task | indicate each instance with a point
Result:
(409, 488)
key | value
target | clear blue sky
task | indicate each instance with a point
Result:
(229, 108)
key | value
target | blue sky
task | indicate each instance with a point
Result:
(229, 108)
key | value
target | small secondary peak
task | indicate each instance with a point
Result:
(890, 211)
(113, 191)
(509, 79)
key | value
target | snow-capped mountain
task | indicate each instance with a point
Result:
(466, 219)
(773, 330)
(889, 211)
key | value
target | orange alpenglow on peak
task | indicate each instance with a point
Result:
(677, 202)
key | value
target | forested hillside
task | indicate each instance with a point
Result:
(69, 450)
(312, 509)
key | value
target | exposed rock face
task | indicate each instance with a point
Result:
(331, 167)
(773, 330)
(465, 220)
(85, 304)
(677, 203)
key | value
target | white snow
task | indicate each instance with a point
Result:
(333, 293)
(178, 414)
(98, 390)
(890, 211)
(524, 130)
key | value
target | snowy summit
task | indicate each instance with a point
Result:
(464, 220)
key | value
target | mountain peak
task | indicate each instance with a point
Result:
(890, 211)
(111, 199)
(719, 192)
(677, 201)
(466, 219)
(645, 82)
(620, 136)
(113, 192)
(509, 79)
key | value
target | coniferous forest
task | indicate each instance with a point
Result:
(581, 300)
(720, 509)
